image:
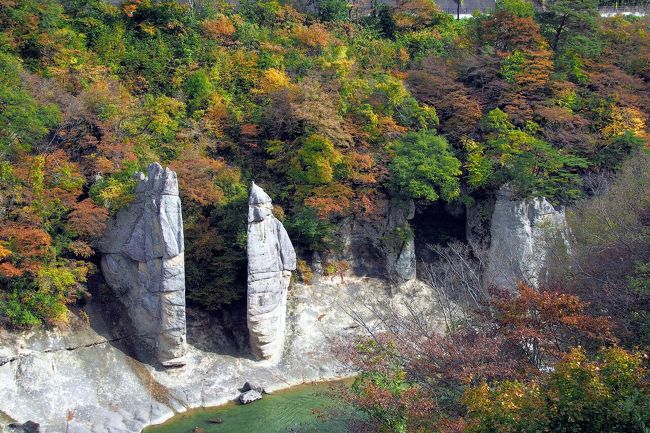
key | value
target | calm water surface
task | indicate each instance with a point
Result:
(304, 408)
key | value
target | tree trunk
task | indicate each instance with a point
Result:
(558, 32)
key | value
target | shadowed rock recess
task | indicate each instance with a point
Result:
(143, 262)
(271, 258)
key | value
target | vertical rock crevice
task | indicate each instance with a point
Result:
(271, 258)
(143, 262)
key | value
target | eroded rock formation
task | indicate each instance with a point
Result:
(271, 258)
(384, 247)
(143, 261)
(526, 237)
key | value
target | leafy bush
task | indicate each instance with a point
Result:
(609, 393)
(515, 156)
(424, 167)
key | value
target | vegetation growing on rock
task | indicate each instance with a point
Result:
(328, 109)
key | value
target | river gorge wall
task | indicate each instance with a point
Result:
(92, 375)
(88, 371)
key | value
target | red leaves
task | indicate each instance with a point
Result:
(199, 178)
(509, 32)
(87, 219)
(27, 245)
(542, 323)
(330, 200)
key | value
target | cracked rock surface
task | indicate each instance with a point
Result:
(143, 262)
(271, 258)
(87, 370)
(526, 236)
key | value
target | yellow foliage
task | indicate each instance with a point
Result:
(304, 272)
(216, 115)
(624, 119)
(4, 252)
(272, 80)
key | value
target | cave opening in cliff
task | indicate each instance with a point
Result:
(437, 224)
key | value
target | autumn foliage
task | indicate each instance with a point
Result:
(336, 108)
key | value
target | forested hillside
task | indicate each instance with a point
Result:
(331, 111)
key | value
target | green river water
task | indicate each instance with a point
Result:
(304, 408)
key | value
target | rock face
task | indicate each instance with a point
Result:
(85, 369)
(250, 396)
(526, 236)
(143, 262)
(271, 258)
(383, 248)
(399, 242)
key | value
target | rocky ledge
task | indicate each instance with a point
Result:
(87, 373)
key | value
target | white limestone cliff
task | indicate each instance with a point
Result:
(143, 262)
(526, 236)
(271, 258)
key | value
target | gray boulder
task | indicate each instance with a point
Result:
(527, 236)
(250, 396)
(27, 427)
(271, 258)
(143, 262)
(252, 386)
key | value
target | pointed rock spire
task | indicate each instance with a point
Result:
(271, 258)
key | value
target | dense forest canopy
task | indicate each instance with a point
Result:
(331, 110)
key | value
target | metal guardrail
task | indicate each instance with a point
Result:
(604, 10)
(633, 10)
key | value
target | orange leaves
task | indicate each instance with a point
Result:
(9, 271)
(361, 165)
(201, 178)
(459, 112)
(547, 318)
(22, 247)
(220, 27)
(129, 7)
(536, 70)
(509, 32)
(81, 249)
(330, 200)
(87, 219)
(314, 36)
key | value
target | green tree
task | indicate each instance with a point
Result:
(199, 89)
(516, 156)
(23, 121)
(520, 8)
(424, 167)
(571, 27)
(331, 10)
(606, 394)
(315, 161)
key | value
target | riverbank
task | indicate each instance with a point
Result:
(88, 374)
(311, 406)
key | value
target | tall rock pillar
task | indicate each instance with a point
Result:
(525, 237)
(143, 262)
(271, 258)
